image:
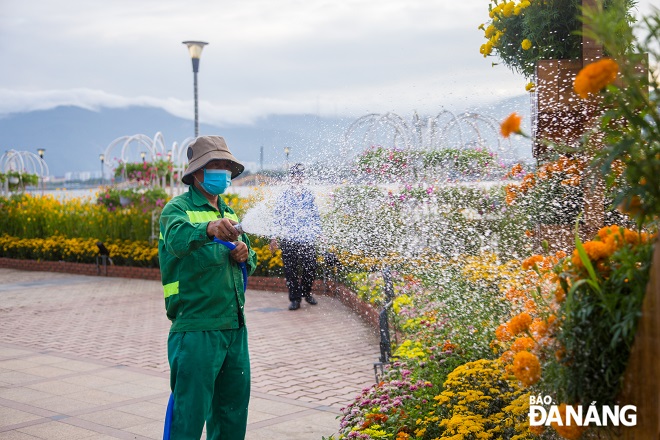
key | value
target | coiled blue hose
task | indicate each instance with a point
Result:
(170, 404)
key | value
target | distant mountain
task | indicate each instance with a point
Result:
(74, 137)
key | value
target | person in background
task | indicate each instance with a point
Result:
(297, 226)
(204, 298)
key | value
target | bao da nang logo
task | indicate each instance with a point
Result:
(543, 412)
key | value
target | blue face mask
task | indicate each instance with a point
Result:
(216, 181)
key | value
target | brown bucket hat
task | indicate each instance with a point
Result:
(203, 150)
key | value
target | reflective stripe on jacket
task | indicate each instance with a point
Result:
(202, 284)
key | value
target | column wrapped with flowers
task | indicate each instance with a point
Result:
(542, 41)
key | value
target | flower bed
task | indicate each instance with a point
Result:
(451, 379)
(567, 323)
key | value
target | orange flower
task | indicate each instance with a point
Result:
(572, 432)
(516, 170)
(527, 368)
(571, 181)
(448, 346)
(596, 250)
(502, 333)
(531, 262)
(519, 323)
(530, 306)
(511, 193)
(595, 76)
(523, 343)
(507, 357)
(538, 430)
(528, 181)
(511, 125)
(631, 237)
(538, 328)
(631, 207)
(605, 232)
(514, 294)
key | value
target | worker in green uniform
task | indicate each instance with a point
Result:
(204, 298)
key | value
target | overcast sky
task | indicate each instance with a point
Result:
(327, 57)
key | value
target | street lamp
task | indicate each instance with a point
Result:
(41, 152)
(143, 155)
(102, 158)
(287, 150)
(195, 49)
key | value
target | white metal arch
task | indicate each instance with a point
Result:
(130, 146)
(438, 134)
(473, 120)
(372, 123)
(22, 162)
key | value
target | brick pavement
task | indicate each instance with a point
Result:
(85, 357)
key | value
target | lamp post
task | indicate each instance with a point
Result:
(195, 49)
(41, 152)
(287, 150)
(143, 155)
(102, 158)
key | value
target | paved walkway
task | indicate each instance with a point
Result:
(85, 358)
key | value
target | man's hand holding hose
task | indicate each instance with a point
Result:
(223, 229)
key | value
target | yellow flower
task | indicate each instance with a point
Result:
(490, 31)
(526, 44)
(508, 8)
(486, 49)
(595, 76)
(511, 125)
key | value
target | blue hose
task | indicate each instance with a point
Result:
(243, 266)
(170, 404)
(168, 417)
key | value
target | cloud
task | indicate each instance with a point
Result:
(265, 57)
(285, 57)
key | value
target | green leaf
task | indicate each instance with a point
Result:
(585, 260)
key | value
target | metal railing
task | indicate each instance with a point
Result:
(383, 326)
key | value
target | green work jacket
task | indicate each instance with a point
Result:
(203, 285)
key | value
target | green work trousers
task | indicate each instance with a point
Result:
(210, 379)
